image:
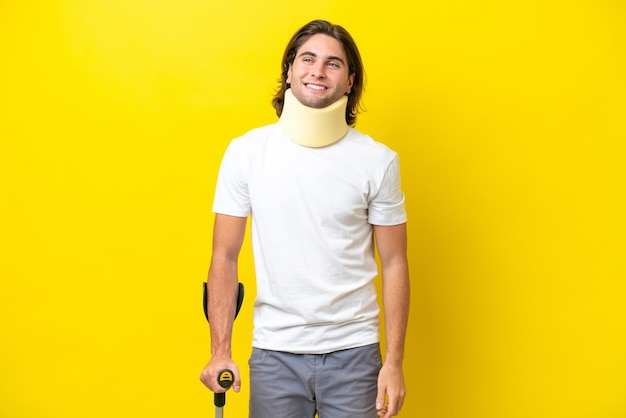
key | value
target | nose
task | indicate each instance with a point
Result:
(319, 70)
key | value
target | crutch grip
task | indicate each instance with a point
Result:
(219, 399)
(225, 378)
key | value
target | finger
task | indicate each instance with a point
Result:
(400, 403)
(392, 411)
(380, 397)
(394, 404)
(205, 379)
(237, 382)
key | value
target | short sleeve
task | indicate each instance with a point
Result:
(386, 206)
(231, 192)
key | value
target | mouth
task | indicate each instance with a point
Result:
(316, 87)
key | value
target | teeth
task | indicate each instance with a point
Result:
(316, 87)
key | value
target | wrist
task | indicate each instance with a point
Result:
(394, 359)
(220, 351)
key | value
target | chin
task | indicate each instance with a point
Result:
(318, 103)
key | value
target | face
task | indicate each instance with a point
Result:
(319, 75)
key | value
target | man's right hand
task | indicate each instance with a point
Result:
(211, 370)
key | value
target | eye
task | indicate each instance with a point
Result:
(333, 64)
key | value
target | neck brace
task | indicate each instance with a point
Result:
(312, 127)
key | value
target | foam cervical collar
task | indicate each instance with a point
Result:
(312, 127)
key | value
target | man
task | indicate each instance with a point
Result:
(320, 194)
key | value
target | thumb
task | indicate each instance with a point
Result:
(237, 382)
(380, 398)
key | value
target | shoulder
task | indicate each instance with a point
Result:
(252, 140)
(258, 133)
(365, 145)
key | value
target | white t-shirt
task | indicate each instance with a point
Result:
(312, 215)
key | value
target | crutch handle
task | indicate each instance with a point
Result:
(219, 399)
(225, 378)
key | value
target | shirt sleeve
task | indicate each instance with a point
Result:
(231, 192)
(386, 207)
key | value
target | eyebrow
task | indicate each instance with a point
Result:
(330, 57)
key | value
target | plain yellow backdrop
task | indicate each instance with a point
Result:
(510, 122)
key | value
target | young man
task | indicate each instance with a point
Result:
(320, 194)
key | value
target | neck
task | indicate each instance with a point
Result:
(312, 127)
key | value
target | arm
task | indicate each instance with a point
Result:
(222, 286)
(391, 244)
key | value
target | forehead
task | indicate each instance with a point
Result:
(322, 46)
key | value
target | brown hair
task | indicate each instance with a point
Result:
(355, 65)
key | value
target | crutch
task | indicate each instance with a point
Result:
(226, 377)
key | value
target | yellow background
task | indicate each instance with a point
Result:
(510, 121)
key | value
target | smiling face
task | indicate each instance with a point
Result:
(319, 74)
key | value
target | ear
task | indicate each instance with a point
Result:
(350, 82)
(288, 81)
